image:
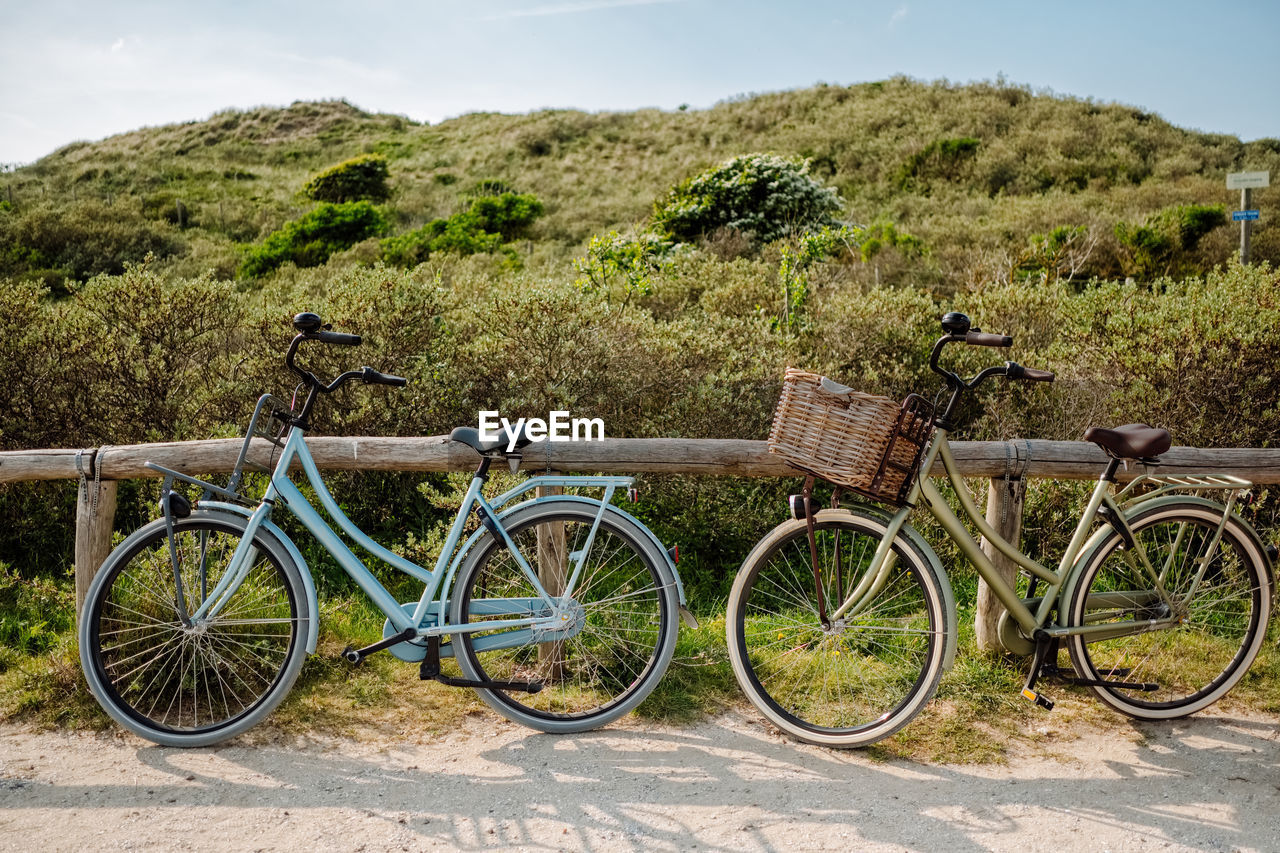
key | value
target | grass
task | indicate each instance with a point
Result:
(977, 717)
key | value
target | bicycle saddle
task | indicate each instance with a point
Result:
(470, 436)
(1131, 441)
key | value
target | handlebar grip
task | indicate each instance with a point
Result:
(986, 339)
(1013, 370)
(372, 377)
(338, 338)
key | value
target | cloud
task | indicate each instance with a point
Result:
(572, 8)
(897, 16)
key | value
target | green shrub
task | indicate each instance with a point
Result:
(764, 195)
(78, 241)
(311, 239)
(363, 177)
(33, 612)
(1164, 243)
(941, 158)
(488, 224)
(614, 262)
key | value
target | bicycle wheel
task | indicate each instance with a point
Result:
(623, 610)
(191, 685)
(1218, 589)
(867, 674)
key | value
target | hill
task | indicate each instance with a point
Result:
(973, 170)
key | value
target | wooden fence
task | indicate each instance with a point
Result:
(1005, 464)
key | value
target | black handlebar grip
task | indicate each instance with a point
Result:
(985, 339)
(338, 338)
(372, 377)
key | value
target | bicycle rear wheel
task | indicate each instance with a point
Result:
(1216, 618)
(864, 676)
(200, 684)
(624, 605)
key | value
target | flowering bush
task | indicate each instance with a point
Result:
(764, 195)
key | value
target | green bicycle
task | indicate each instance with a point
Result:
(841, 621)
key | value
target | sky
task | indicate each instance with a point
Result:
(84, 70)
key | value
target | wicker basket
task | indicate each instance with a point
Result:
(863, 442)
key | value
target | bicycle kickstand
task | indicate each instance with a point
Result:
(430, 671)
(1046, 653)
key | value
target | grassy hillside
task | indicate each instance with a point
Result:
(974, 171)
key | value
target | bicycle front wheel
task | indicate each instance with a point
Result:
(201, 683)
(621, 617)
(861, 677)
(1159, 656)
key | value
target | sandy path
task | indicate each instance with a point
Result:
(1208, 784)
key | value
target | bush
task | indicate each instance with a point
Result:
(310, 240)
(941, 158)
(766, 196)
(79, 241)
(1164, 243)
(490, 222)
(359, 178)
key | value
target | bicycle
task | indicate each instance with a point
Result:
(561, 611)
(841, 622)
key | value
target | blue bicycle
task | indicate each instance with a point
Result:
(561, 611)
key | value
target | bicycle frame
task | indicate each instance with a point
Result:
(1102, 504)
(427, 617)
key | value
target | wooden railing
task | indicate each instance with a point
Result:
(1005, 463)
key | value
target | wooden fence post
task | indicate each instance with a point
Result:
(1004, 513)
(94, 521)
(553, 567)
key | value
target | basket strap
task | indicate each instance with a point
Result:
(807, 494)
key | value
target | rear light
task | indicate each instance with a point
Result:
(674, 553)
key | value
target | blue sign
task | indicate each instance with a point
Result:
(1241, 215)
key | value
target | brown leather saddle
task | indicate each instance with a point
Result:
(1131, 441)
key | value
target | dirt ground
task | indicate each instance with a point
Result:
(1211, 783)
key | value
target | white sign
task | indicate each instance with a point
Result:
(1248, 180)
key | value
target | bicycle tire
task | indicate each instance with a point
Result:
(628, 611)
(868, 675)
(1220, 628)
(203, 684)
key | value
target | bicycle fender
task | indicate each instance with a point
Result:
(921, 545)
(613, 510)
(308, 584)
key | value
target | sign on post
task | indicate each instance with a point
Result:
(1248, 180)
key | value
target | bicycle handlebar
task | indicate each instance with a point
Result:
(958, 330)
(311, 328)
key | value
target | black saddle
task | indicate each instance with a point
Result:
(470, 436)
(1131, 441)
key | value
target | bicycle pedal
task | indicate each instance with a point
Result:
(1040, 699)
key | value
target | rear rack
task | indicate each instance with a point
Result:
(270, 421)
(1168, 483)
